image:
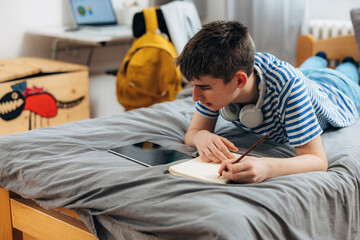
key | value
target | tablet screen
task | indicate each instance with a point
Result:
(149, 154)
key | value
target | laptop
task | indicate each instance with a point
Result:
(94, 15)
(149, 154)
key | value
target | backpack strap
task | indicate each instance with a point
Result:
(150, 17)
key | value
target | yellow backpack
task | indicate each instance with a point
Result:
(148, 74)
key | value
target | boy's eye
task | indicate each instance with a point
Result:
(204, 88)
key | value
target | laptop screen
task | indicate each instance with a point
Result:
(92, 12)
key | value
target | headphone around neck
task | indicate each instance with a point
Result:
(250, 115)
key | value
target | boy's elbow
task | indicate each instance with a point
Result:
(322, 162)
(325, 164)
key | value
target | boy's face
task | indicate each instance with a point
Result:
(213, 93)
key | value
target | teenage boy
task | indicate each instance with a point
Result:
(262, 95)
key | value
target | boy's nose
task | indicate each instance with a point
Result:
(197, 96)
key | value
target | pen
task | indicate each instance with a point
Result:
(247, 152)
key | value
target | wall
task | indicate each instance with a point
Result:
(211, 10)
(332, 9)
(17, 16)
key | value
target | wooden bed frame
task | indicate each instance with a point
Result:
(336, 48)
(24, 219)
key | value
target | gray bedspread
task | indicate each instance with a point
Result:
(69, 166)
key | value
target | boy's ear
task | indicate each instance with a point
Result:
(241, 78)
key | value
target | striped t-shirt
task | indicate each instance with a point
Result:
(295, 109)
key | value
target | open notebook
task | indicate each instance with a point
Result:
(199, 169)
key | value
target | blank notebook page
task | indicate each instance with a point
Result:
(199, 169)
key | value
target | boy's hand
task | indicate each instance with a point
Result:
(213, 148)
(249, 170)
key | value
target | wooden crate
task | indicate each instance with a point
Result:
(37, 92)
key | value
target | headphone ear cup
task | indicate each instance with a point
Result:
(230, 112)
(250, 116)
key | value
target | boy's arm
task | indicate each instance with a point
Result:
(310, 157)
(211, 147)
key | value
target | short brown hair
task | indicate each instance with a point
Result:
(219, 49)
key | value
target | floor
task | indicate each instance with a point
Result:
(102, 91)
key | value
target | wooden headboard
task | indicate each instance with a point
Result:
(336, 47)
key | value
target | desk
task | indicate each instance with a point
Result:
(84, 36)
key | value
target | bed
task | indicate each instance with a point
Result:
(61, 182)
(336, 48)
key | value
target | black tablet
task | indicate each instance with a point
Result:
(149, 154)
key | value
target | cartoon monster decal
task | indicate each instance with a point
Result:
(36, 100)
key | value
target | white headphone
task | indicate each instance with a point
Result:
(250, 115)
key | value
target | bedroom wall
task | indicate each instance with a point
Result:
(332, 9)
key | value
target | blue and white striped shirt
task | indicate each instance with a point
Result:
(295, 109)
